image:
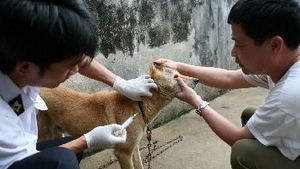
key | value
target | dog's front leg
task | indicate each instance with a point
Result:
(125, 158)
(137, 160)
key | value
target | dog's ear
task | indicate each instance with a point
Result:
(157, 65)
(154, 68)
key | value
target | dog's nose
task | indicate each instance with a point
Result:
(196, 81)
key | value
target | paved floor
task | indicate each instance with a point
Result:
(188, 142)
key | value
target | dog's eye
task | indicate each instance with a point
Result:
(175, 76)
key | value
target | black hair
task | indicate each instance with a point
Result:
(44, 32)
(263, 19)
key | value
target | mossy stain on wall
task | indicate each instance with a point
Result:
(125, 25)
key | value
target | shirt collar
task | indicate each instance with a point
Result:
(9, 90)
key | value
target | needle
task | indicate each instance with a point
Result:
(125, 124)
(128, 121)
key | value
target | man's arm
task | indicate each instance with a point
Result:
(77, 145)
(210, 76)
(225, 129)
(134, 89)
(96, 71)
(216, 77)
(102, 137)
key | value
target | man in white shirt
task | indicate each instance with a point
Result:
(267, 37)
(43, 43)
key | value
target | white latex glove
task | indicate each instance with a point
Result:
(134, 89)
(103, 136)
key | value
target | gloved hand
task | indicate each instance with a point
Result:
(103, 136)
(135, 88)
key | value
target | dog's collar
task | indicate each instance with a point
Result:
(143, 112)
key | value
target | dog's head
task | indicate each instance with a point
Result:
(165, 78)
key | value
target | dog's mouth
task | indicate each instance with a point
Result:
(194, 83)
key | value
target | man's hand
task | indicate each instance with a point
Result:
(134, 89)
(166, 63)
(103, 136)
(188, 94)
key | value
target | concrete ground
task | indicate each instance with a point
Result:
(188, 142)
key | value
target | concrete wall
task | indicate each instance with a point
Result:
(134, 33)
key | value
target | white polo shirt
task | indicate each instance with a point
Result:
(18, 136)
(277, 121)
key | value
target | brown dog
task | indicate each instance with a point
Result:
(77, 113)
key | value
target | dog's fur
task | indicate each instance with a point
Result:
(77, 113)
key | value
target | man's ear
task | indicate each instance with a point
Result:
(276, 44)
(24, 67)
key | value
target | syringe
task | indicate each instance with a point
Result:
(124, 125)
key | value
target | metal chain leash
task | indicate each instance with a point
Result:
(149, 156)
(172, 143)
(111, 162)
(155, 147)
(169, 144)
